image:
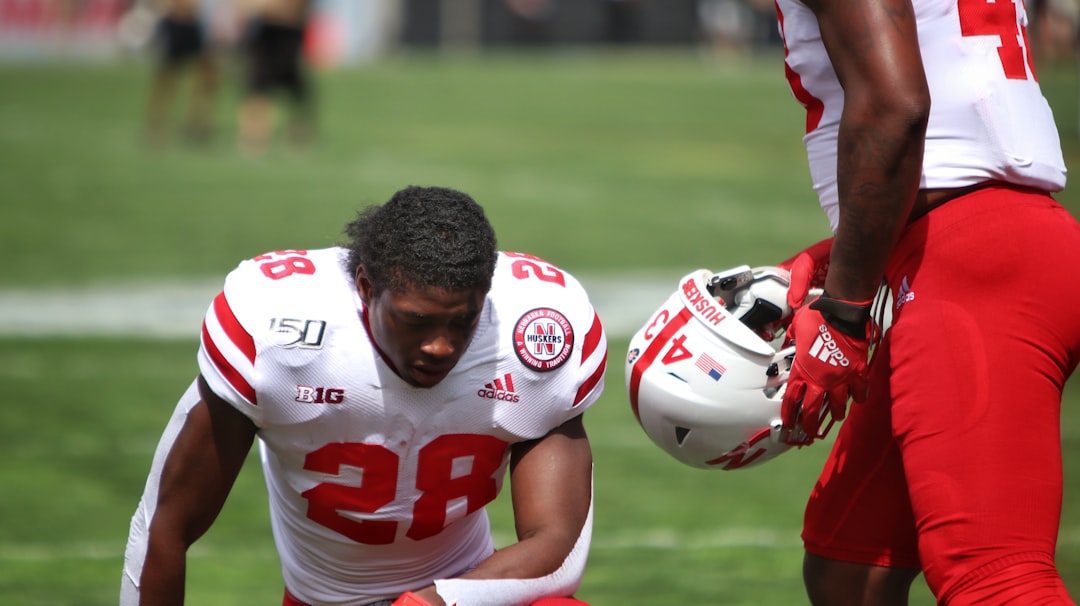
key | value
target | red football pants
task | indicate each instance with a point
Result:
(953, 465)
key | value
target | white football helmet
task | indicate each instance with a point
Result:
(703, 382)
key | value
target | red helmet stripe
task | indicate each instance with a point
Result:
(651, 352)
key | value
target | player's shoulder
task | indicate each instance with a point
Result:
(526, 281)
(525, 273)
(288, 280)
(541, 310)
(282, 269)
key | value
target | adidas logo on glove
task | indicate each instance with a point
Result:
(826, 349)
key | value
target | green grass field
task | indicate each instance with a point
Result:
(605, 164)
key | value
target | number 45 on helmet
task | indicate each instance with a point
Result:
(705, 374)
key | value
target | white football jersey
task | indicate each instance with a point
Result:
(377, 487)
(988, 117)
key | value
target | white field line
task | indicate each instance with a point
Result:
(649, 538)
(175, 309)
(654, 539)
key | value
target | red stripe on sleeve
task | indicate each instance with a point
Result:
(587, 387)
(650, 354)
(240, 338)
(815, 108)
(592, 338)
(231, 375)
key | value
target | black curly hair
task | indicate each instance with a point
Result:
(423, 237)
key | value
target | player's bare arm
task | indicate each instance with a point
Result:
(551, 488)
(873, 47)
(198, 475)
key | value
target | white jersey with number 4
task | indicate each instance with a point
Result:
(988, 117)
(377, 487)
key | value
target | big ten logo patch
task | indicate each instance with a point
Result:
(543, 339)
(319, 395)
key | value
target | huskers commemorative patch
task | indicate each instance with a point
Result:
(543, 339)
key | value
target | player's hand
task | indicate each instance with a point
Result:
(832, 342)
(808, 269)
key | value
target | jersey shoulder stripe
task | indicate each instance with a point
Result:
(229, 347)
(525, 286)
(261, 303)
(232, 327)
(593, 338)
(588, 388)
(595, 343)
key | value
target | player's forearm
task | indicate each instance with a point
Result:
(522, 571)
(879, 167)
(563, 581)
(881, 135)
(163, 574)
(531, 558)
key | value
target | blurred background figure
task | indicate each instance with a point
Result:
(181, 44)
(1053, 27)
(737, 26)
(621, 19)
(725, 25)
(530, 21)
(273, 50)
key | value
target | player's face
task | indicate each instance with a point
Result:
(423, 331)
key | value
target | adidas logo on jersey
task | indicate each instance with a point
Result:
(904, 294)
(826, 349)
(500, 389)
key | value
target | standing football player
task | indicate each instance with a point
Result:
(934, 155)
(391, 384)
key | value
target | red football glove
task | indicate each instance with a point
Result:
(832, 342)
(808, 269)
(410, 599)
